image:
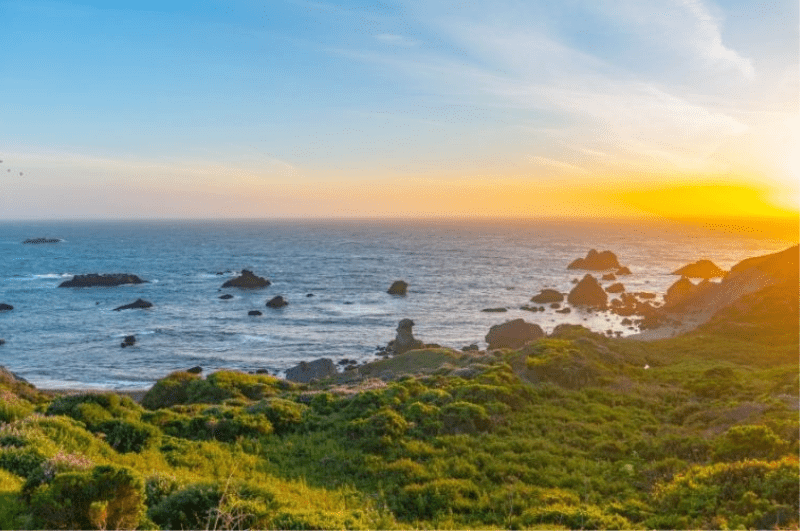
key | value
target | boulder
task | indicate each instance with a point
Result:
(195, 370)
(623, 271)
(138, 303)
(596, 261)
(277, 302)
(254, 313)
(2, 341)
(566, 309)
(398, 287)
(609, 276)
(679, 292)
(5, 307)
(495, 310)
(404, 340)
(615, 288)
(588, 292)
(513, 334)
(247, 280)
(555, 305)
(226, 297)
(94, 280)
(304, 372)
(700, 269)
(548, 295)
(129, 341)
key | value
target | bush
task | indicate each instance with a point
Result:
(283, 414)
(749, 442)
(21, 461)
(128, 436)
(106, 497)
(189, 508)
(465, 417)
(381, 428)
(169, 391)
(435, 498)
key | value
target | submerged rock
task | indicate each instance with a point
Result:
(495, 310)
(138, 303)
(95, 280)
(42, 240)
(398, 287)
(5, 307)
(247, 280)
(513, 334)
(596, 261)
(609, 276)
(226, 297)
(254, 313)
(277, 302)
(588, 292)
(548, 295)
(129, 341)
(304, 372)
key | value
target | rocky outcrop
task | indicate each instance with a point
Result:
(513, 334)
(588, 292)
(678, 292)
(42, 240)
(609, 276)
(95, 280)
(700, 269)
(304, 372)
(129, 341)
(398, 287)
(254, 313)
(596, 261)
(226, 297)
(277, 302)
(5, 307)
(137, 304)
(247, 280)
(548, 295)
(404, 340)
(495, 310)
(615, 288)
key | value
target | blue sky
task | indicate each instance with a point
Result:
(305, 108)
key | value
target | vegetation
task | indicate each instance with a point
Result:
(572, 431)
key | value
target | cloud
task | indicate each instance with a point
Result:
(396, 40)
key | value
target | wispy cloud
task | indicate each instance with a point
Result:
(396, 40)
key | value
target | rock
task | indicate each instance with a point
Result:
(247, 280)
(529, 308)
(404, 340)
(5, 307)
(513, 334)
(309, 294)
(615, 288)
(398, 287)
(304, 372)
(129, 341)
(548, 295)
(226, 297)
(595, 261)
(258, 371)
(254, 313)
(494, 310)
(555, 306)
(198, 369)
(700, 269)
(609, 276)
(93, 280)
(645, 295)
(277, 302)
(623, 271)
(626, 322)
(677, 293)
(42, 240)
(574, 281)
(471, 348)
(589, 293)
(564, 310)
(138, 303)
(2, 341)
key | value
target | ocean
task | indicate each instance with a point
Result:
(70, 337)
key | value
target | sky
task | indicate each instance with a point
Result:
(298, 108)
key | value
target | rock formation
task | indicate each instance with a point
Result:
(615, 288)
(226, 297)
(623, 271)
(513, 334)
(5, 307)
(277, 302)
(700, 269)
(304, 372)
(247, 280)
(138, 303)
(609, 276)
(129, 341)
(404, 340)
(595, 261)
(254, 313)
(589, 293)
(93, 279)
(398, 287)
(548, 295)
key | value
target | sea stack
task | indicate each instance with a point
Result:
(247, 280)
(398, 287)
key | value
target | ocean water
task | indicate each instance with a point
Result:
(60, 338)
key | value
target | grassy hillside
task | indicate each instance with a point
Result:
(575, 430)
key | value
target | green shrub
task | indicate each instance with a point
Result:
(383, 427)
(128, 436)
(21, 461)
(438, 497)
(189, 508)
(106, 497)
(94, 408)
(169, 391)
(283, 414)
(749, 442)
(13, 408)
(465, 417)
